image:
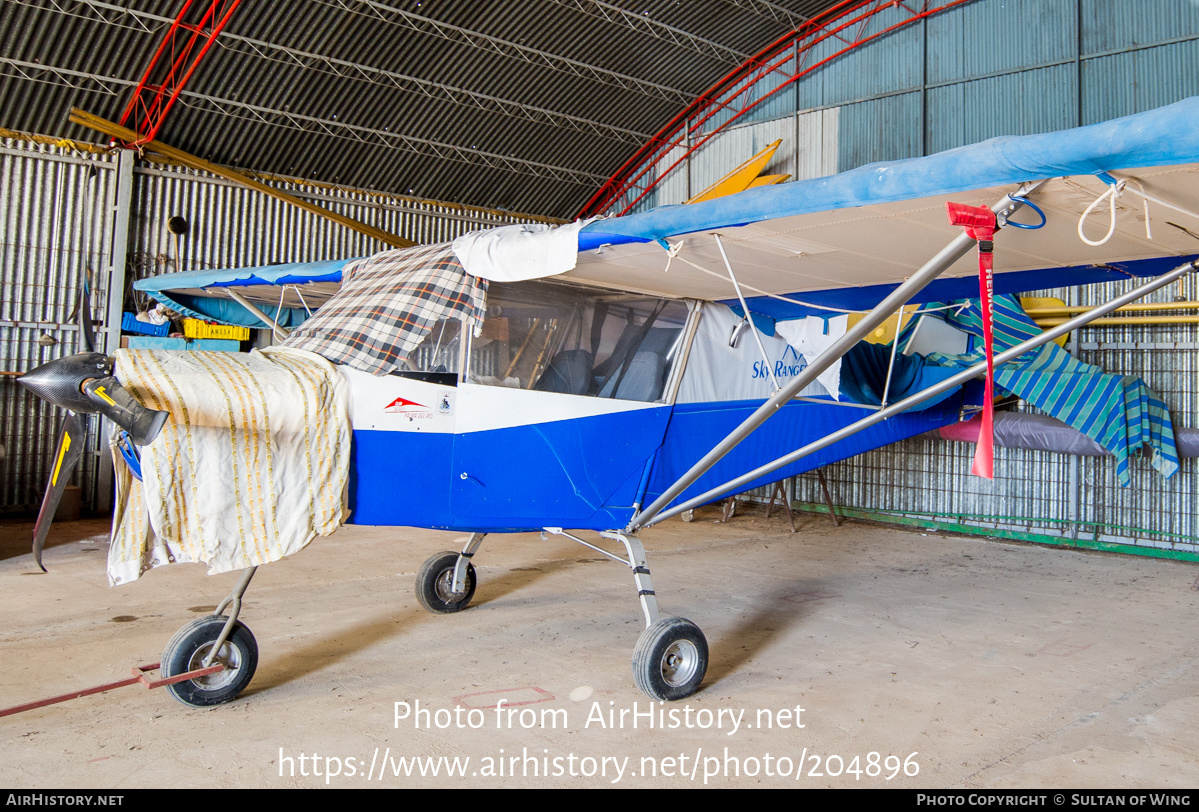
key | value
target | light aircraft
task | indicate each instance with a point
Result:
(633, 379)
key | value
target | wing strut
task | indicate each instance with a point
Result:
(749, 317)
(255, 311)
(948, 255)
(980, 368)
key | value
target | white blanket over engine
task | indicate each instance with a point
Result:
(250, 467)
(516, 253)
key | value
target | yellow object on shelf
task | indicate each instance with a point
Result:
(195, 328)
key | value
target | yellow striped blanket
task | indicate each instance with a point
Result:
(251, 465)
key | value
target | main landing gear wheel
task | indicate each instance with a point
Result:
(189, 647)
(435, 584)
(670, 659)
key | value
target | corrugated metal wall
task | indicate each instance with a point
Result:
(231, 226)
(57, 218)
(975, 71)
(55, 226)
(988, 68)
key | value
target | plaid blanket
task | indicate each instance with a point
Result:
(1119, 412)
(386, 306)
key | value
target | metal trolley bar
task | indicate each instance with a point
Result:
(948, 255)
(962, 377)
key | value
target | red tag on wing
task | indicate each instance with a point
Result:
(979, 222)
(984, 451)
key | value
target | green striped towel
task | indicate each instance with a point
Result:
(1119, 412)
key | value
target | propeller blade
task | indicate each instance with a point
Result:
(87, 333)
(113, 401)
(70, 449)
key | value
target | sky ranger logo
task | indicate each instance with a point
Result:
(410, 409)
(790, 365)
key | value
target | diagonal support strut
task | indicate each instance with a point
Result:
(949, 383)
(948, 255)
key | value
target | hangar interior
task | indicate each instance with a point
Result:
(429, 120)
(959, 75)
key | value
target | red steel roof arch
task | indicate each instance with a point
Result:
(609, 198)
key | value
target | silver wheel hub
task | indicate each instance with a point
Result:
(679, 663)
(229, 656)
(444, 586)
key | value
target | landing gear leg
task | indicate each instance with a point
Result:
(671, 655)
(446, 582)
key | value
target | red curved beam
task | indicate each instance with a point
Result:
(177, 57)
(770, 59)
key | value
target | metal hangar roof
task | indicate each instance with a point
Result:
(525, 106)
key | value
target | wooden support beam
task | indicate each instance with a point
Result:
(114, 130)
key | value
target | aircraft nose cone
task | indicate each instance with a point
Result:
(59, 381)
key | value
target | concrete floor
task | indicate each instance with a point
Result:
(982, 664)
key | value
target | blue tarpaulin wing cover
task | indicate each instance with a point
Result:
(285, 292)
(846, 240)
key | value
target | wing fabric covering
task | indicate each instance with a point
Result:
(196, 294)
(1119, 412)
(250, 467)
(386, 306)
(1162, 137)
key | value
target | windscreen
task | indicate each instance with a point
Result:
(560, 338)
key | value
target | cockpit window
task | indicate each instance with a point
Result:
(439, 352)
(559, 338)
(437, 359)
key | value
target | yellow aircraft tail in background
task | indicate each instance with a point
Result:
(743, 177)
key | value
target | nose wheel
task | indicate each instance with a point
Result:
(190, 649)
(209, 641)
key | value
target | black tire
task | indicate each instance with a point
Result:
(670, 659)
(191, 645)
(434, 584)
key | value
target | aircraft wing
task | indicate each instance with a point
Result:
(849, 239)
(289, 290)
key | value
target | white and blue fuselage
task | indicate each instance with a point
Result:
(463, 456)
